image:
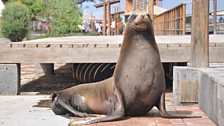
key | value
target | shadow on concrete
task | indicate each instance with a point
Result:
(47, 84)
(63, 79)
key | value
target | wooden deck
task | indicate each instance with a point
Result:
(93, 49)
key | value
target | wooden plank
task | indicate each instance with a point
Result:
(214, 15)
(109, 20)
(30, 45)
(58, 55)
(199, 51)
(174, 54)
(184, 19)
(188, 90)
(216, 54)
(91, 53)
(102, 4)
(150, 8)
(128, 6)
(156, 2)
(104, 18)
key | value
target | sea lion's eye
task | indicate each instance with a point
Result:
(131, 18)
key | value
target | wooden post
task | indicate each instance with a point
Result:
(104, 5)
(128, 6)
(150, 8)
(134, 5)
(184, 19)
(214, 15)
(104, 19)
(199, 48)
(138, 4)
(109, 20)
(156, 2)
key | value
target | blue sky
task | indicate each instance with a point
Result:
(168, 4)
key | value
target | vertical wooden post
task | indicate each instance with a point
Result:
(144, 5)
(134, 5)
(109, 20)
(104, 18)
(156, 2)
(150, 8)
(128, 6)
(184, 19)
(199, 48)
(214, 15)
(138, 4)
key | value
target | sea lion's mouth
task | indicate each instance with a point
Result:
(141, 25)
(141, 22)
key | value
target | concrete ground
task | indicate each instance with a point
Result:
(31, 108)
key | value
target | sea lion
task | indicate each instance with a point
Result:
(138, 83)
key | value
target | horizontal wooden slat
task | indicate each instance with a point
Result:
(172, 49)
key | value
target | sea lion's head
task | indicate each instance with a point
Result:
(140, 20)
(56, 107)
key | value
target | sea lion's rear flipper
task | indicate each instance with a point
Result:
(73, 111)
(162, 109)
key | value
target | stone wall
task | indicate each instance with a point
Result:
(211, 93)
(210, 89)
(9, 79)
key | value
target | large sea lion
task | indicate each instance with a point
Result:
(138, 83)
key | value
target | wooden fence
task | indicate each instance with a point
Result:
(171, 22)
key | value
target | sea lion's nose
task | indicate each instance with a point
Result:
(54, 96)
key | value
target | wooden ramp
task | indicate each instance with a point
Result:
(95, 49)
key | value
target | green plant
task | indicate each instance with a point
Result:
(65, 17)
(15, 21)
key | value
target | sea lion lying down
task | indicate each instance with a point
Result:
(137, 85)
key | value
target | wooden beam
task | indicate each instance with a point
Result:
(110, 2)
(150, 8)
(138, 4)
(128, 6)
(184, 19)
(214, 15)
(109, 20)
(106, 13)
(199, 51)
(104, 18)
(156, 2)
(95, 49)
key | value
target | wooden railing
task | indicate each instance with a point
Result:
(171, 22)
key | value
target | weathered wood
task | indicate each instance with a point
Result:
(150, 8)
(105, 13)
(109, 19)
(199, 51)
(188, 90)
(171, 22)
(156, 2)
(128, 6)
(102, 4)
(183, 19)
(104, 18)
(105, 49)
(214, 15)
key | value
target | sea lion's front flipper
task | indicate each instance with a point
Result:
(162, 109)
(117, 112)
(73, 111)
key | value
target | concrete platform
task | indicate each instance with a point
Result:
(34, 111)
(26, 111)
